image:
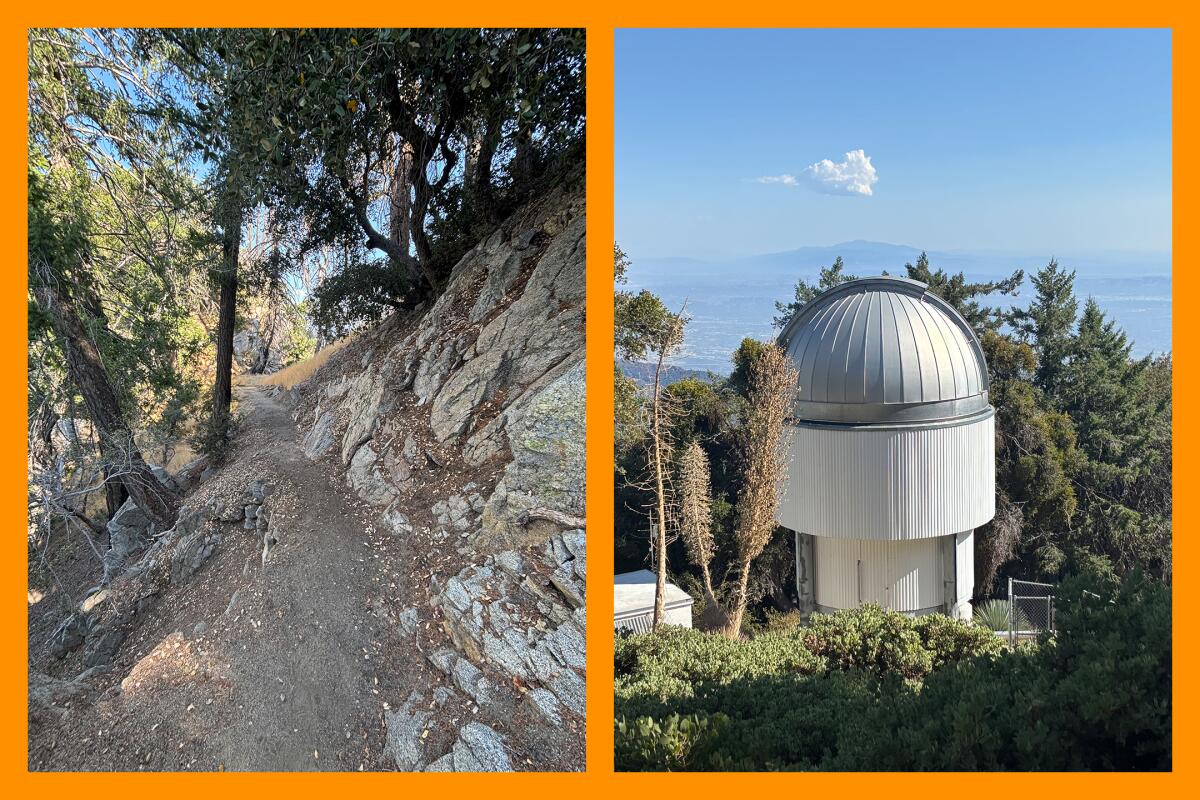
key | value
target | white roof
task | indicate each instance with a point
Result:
(633, 594)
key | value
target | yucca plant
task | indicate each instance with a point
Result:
(993, 615)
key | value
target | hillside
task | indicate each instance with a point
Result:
(386, 572)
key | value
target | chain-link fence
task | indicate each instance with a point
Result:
(1031, 609)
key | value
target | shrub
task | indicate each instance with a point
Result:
(694, 657)
(949, 640)
(873, 690)
(675, 743)
(214, 436)
(869, 638)
(775, 622)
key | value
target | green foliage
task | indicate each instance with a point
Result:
(311, 122)
(948, 640)
(674, 743)
(965, 296)
(1097, 696)
(871, 638)
(780, 696)
(214, 436)
(745, 355)
(641, 323)
(358, 294)
(994, 616)
(114, 225)
(1048, 323)
(300, 344)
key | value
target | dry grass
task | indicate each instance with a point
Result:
(297, 373)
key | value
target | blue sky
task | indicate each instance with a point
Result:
(1016, 141)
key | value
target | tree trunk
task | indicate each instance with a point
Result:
(477, 166)
(86, 370)
(41, 435)
(400, 197)
(232, 243)
(115, 493)
(521, 167)
(733, 629)
(660, 582)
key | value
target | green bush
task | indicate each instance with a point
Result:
(870, 638)
(873, 690)
(774, 622)
(675, 662)
(948, 640)
(214, 436)
(675, 743)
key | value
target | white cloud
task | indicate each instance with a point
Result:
(786, 180)
(853, 175)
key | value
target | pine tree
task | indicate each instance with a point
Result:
(1048, 325)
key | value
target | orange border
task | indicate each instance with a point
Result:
(600, 18)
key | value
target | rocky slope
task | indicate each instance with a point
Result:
(431, 556)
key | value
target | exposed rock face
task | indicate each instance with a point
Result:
(453, 421)
(483, 608)
(477, 749)
(129, 529)
(404, 728)
(546, 435)
(496, 364)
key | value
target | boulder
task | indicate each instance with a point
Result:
(404, 728)
(480, 749)
(368, 479)
(320, 440)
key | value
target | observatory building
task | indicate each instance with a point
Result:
(891, 446)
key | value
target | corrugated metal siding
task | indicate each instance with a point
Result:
(964, 556)
(893, 483)
(906, 576)
(644, 623)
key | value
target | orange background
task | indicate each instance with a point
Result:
(600, 18)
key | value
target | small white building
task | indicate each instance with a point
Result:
(633, 602)
(892, 449)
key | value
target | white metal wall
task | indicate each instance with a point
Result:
(964, 558)
(889, 483)
(905, 576)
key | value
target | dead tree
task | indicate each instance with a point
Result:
(772, 390)
(660, 454)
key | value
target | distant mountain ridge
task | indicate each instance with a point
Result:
(642, 372)
(866, 257)
(729, 299)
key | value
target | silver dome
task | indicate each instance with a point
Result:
(885, 350)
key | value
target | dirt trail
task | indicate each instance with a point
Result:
(315, 653)
(245, 667)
